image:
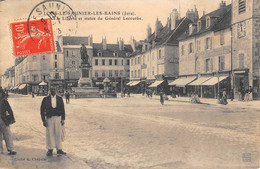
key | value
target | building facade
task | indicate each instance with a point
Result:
(205, 53)
(111, 61)
(246, 46)
(157, 57)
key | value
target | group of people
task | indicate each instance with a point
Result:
(53, 118)
(245, 94)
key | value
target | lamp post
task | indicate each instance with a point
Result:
(218, 88)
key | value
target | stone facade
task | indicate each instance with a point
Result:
(246, 46)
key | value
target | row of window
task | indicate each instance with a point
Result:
(208, 45)
(110, 73)
(137, 73)
(111, 62)
(138, 60)
(35, 77)
(221, 63)
(34, 58)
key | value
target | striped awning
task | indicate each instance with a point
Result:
(135, 83)
(214, 80)
(199, 81)
(22, 86)
(156, 83)
(182, 82)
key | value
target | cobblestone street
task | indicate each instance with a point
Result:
(139, 132)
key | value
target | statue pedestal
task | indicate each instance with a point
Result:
(85, 87)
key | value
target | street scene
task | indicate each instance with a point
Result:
(138, 132)
(120, 84)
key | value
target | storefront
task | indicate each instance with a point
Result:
(69, 83)
(22, 89)
(59, 85)
(241, 82)
(181, 87)
(43, 89)
(215, 85)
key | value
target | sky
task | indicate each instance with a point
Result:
(148, 10)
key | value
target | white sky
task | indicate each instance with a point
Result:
(148, 10)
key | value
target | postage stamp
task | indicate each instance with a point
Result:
(35, 37)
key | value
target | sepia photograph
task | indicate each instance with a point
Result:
(130, 84)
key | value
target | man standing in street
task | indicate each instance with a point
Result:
(53, 116)
(67, 95)
(6, 118)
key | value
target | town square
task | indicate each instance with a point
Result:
(120, 84)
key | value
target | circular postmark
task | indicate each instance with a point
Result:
(51, 17)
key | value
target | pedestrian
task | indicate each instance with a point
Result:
(53, 117)
(161, 93)
(67, 95)
(128, 92)
(224, 97)
(6, 119)
(32, 95)
(251, 90)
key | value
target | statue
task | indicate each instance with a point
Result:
(84, 55)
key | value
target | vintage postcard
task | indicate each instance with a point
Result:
(169, 84)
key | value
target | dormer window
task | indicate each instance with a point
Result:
(190, 29)
(207, 22)
(99, 53)
(115, 54)
(199, 26)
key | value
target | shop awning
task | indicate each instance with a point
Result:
(156, 83)
(135, 83)
(199, 81)
(213, 81)
(129, 83)
(42, 83)
(182, 82)
(16, 87)
(22, 86)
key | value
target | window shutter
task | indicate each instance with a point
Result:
(211, 65)
(210, 43)
(206, 44)
(205, 65)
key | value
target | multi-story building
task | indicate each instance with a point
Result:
(157, 56)
(112, 61)
(205, 54)
(7, 79)
(246, 46)
(31, 70)
(222, 50)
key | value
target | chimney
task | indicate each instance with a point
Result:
(132, 43)
(222, 4)
(174, 15)
(149, 31)
(104, 42)
(121, 44)
(158, 26)
(90, 40)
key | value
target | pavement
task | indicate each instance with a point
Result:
(138, 132)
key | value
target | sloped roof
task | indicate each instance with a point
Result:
(75, 40)
(220, 19)
(111, 48)
(224, 22)
(58, 48)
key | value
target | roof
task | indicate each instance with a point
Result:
(220, 19)
(75, 40)
(166, 35)
(58, 48)
(111, 48)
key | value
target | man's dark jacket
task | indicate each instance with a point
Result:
(4, 108)
(47, 111)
